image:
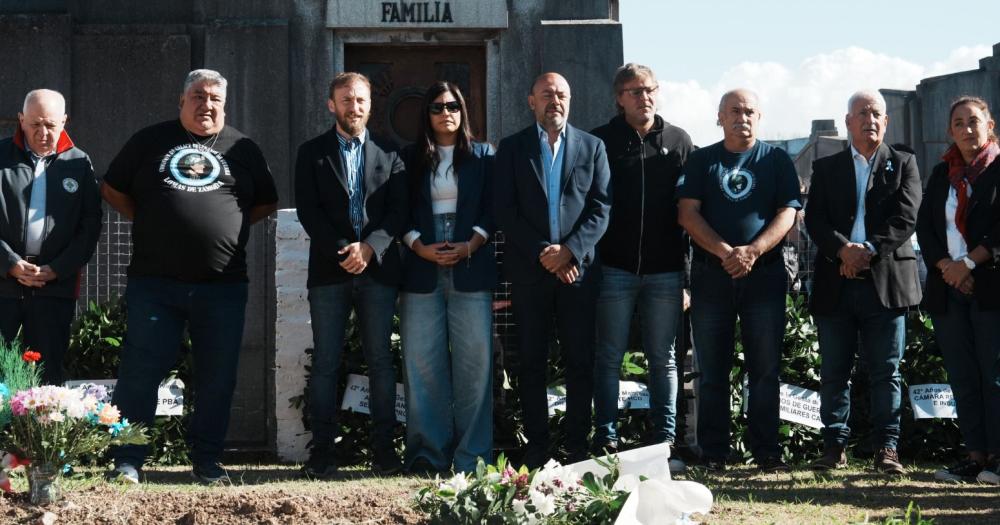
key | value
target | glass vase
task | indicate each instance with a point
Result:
(43, 483)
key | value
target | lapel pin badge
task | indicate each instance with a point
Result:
(888, 165)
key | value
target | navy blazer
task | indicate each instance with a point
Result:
(891, 204)
(474, 208)
(323, 207)
(982, 227)
(522, 207)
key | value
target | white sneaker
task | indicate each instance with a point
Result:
(124, 473)
(677, 466)
(989, 476)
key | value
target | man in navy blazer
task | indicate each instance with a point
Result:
(552, 203)
(351, 195)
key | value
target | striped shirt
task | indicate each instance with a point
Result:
(352, 151)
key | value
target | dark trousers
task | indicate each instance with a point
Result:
(970, 342)
(883, 332)
(759, 301)
(45, 324)
(157, 310)
(574, 309)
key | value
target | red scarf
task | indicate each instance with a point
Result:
(962, 175)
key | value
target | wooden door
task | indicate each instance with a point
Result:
(400, 76)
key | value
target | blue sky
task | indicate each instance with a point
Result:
(805, 58)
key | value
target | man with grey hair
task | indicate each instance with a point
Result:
(50, 219)
(642, 256)
(738, 199)
(192, 187)
(861, 213)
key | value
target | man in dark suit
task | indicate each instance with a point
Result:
(351, 195)
(861, 213)
(552, 205)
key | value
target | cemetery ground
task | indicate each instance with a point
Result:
(274, 494)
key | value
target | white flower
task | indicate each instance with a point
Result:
(519, 506)
(56, 417)
(545, 504)
(456, 484)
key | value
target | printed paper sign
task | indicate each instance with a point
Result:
(169, 397)
(932, 401)
(557, 399)
(799, 405)
(631, 395)
(356, 397)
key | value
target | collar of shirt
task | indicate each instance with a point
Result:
(544, 135)
(345, 142)
(858, 157)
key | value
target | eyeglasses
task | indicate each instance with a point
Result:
(436, 108)
(640, 91)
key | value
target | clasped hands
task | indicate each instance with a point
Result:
(854, 259)
(739, 260)
(443, 253)
(558, 260)
(31, 275)
(358, 256)
(957, 275)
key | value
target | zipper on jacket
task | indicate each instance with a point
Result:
(642, 197)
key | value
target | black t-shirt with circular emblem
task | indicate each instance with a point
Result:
(192, 199)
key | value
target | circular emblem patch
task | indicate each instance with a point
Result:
(193, 167)
(70, 185)
(737, 183)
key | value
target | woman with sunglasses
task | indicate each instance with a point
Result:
(448, 276)
(959, 232)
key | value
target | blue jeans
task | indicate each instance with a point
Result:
(660, 301)
(883, 333)
(448, 359)
(970, 342)
(330, 307)
(759, 301)
(157, 310)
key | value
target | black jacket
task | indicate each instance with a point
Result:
(323, 207)
(643, 236)
(891, 203)
(474, 208)
(72, 215)
(522, 208)
(983, 226)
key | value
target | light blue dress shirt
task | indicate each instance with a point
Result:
(552, 165)
(862, 171)
(36, 208)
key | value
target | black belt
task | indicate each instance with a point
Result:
(705, 257)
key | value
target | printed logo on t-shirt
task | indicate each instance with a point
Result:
(737, 183)
(193, 169)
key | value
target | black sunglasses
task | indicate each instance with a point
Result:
(436, 108)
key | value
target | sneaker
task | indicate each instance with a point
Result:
(887, 461)
(386, 462)
(773, 464)
(677, 465)
(832, 458)
(712, 465)
(210, 473)
(965, 470)
(321, 465)
(124, 473)
(422, 467)
(990, 474)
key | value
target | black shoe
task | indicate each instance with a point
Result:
(422, 467)
(712, 465)
(535, 456)
(773, 464)
(833, 458)
(386, 462)
(210, 473)
(965, 470)
(887, 461)
(321, 465)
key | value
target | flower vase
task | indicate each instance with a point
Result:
(43, 483)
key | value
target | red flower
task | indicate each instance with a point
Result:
(31, 356)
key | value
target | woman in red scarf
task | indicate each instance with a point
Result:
(959, 232)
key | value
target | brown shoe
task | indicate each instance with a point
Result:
(887, 461)
(832, 458)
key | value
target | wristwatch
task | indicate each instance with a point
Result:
(969, 263)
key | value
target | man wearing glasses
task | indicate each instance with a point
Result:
(552, 204)
(642, 256)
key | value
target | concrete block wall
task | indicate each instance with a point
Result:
(293, 334)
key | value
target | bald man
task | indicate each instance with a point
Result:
(552, 203)
(737, 200)
(50, 218)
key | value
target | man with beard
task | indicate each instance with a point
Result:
(188, 266)
(351, 195)
(50, 219)
(642, 256)
(552, 203)
(861, 213)
(738, 199)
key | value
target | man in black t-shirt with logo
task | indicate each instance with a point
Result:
(192, 188)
